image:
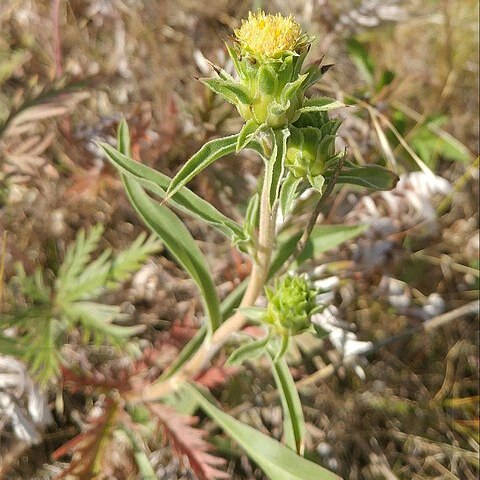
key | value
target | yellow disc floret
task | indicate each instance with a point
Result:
(268, 35)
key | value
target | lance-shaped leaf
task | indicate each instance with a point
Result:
(293, 419)
(277, 461)
(315, 72)
(239, 66)
(276, 164)
(370, 176)
(322, 239)
(288, 193)
(322, 104)
(228, 305)
(248, 351)
(249, 130)
(267, 79)
(292, 88)
(211, 151)
(178, 240)
(232, 92)
(317, 183)
(184, 200)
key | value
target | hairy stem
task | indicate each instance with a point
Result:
(236, 322)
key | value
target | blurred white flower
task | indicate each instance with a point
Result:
(22, 404)
(344, 341)
(410, 204)
(399, 296)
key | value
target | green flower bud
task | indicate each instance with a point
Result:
(290, 305)
(310, 148)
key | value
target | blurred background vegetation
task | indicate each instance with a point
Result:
(70, 70)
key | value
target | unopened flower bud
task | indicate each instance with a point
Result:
(290, 305)
(310, 148)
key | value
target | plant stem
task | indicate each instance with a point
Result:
(236, 322)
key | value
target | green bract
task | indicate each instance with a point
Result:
(291, 303)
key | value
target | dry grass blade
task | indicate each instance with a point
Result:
(384, 143)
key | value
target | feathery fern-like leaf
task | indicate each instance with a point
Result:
(76, 259)
(41, 348)
(96, 321)
(130, 260)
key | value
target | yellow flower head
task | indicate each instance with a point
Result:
(268, 35)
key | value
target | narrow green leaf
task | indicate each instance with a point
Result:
(276, 460)
(293, 419)
(210, 152)
(326, 237)
(248, 351)
(292, 88)
(231, 302)
(276, 164)
(239, 68)
(288, 193)
(322, 104)
(251, 215)
(184, 200)
(123, 137)
(281, 348)
(179, 241)
(186, 354)
(248, 131)
(256, 314)
(232, 92)
(323, 238)
(227, 307)
(144, 466)
(267, 79)
(317, 183)
(370, 176)
(315, 72)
